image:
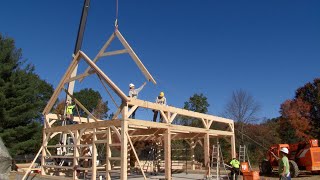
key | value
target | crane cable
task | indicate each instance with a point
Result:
(117, 12)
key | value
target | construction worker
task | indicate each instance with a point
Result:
(69, 112)
(133, 93)
(235, 164)
(159, 100)
(284, 167)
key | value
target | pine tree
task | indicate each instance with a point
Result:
(23, 96)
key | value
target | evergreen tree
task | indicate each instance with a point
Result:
(23, 96)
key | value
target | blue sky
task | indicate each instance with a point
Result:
(268, 48)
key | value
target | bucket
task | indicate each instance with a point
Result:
(252, 175)
(244, 167)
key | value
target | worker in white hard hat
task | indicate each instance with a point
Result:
(159, 100)
(284, 167)
(133, 93)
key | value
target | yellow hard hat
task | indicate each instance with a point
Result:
(161, 94)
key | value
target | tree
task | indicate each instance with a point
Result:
(295, 119)
(242, 108)
(23, 96)
(92, 100)
(196, 103)
(310, 93)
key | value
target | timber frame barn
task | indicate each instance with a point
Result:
(120, 132)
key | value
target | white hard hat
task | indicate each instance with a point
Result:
(131, 85)
(285, 150)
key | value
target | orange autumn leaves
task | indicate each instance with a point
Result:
(297, 114)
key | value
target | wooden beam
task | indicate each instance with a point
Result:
(171, 109)
(102, 50)
(82, 126)
(94, 155)
(57, 91)
(76, 154)
(103, 76)
(167, 154)
(206, 147)
(136, 59)
(164, 117)
(76, 118)
(124, 145)
(210, 123)
(172, 117)
(80, 76)
(132, 109)
(115, 130)
(205, 125)
(108, 154)
(150, 124)
(112, 53)
(135, 154)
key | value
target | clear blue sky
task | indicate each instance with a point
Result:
(268, 48)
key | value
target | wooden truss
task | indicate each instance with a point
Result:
(121, 132)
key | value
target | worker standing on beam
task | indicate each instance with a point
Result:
(133, 93)
(159, 100)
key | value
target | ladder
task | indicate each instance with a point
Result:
(243, 154)
(217, 159)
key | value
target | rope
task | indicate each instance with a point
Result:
(108, 92)
(252, 140)
(117, 12)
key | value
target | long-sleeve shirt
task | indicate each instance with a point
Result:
(161, 100)
(133, 93)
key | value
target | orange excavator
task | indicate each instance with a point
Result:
(302, 156)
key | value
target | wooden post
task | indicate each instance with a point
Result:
(206, 147)
(108, 154)
(75, 153)
(233, 146)
(192, 146)
(124, 144)
(167, 154)
(233, 140)
(94, 155)
(44, 153)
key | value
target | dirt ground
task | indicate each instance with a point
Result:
(199, 176)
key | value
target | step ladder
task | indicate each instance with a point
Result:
(217, 160)
(243, 155)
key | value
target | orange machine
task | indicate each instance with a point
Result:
(302, 156)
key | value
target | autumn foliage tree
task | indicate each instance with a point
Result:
(310, 93)
(295, 119)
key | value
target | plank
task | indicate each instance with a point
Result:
(135, 58)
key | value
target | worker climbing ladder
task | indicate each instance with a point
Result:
(243, 155)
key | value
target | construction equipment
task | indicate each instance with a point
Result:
(302, 156)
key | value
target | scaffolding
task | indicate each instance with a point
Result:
(120, 133)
